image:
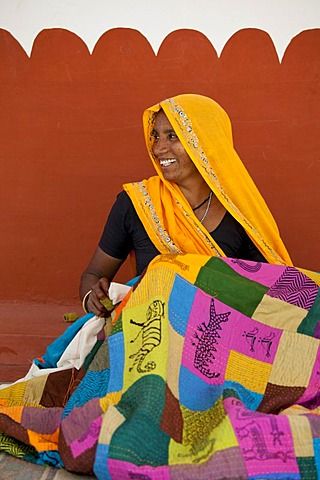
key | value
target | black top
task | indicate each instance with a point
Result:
(124, 232)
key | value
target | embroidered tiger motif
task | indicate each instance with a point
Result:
(150, 332)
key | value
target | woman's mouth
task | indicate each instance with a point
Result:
(166, 162)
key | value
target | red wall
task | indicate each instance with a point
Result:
(70, 126)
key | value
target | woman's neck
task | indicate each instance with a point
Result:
(195, 193)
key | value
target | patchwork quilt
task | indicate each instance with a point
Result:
(208, 369)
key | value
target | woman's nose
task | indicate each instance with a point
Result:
(160, 147)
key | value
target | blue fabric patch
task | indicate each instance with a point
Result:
(196, 394)
(316, 448)
(57, 347)
(276, 476)
(48, 457)
(100, 466)
(93, 385)
(250, 399)
(180, 303)
(116, 352)
(133, 281)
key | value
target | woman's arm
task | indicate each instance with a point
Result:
(97, 277)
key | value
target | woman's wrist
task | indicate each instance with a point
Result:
(85, 301)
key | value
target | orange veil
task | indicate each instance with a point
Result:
(204, 130)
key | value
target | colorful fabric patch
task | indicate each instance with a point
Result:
(204, 375)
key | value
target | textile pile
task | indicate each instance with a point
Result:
(211, 371)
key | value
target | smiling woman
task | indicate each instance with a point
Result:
(201, 201)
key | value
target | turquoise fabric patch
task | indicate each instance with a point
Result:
(100, 467)
(180, 304)
(116, 351)
(93, 385)
(196, 394)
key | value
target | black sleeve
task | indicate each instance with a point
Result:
(115, 240)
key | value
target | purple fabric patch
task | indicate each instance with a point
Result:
(317, 330)
(265, 440)
(226, 464)
(296, 288)
(41, 420)
(311, 397)
(128, 471)
(77, 423)
(206, 346)
(262, 273)
(88, 440)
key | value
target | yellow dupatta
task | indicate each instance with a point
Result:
(205, 132)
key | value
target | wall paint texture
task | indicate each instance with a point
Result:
(71, 134)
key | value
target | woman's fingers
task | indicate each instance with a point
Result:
(98, 293)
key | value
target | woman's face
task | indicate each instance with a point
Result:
(174, 161)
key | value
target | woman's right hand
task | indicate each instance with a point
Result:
(99, 292)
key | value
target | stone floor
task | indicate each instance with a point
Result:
(25, 331)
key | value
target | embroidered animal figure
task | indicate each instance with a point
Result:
(258, 450)
(208, 340)
(150, 332)
(251, 338)
(266, 343)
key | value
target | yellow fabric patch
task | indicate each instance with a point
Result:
(302, 435)
(112, 419)
(252, 374)
(204, 434)
(184, 265)
(146, 342)
(110, 399)
(42, 442)
(13, 394)
(176, 343)
(158, 283)
(34, 390)
(276, 313)
(294, 360)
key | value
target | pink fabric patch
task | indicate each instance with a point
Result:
(260, 272)
(88, 440)
(255, 339)
(127, 471)
(265, 440)
(207, 344)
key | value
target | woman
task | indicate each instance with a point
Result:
(201, 201)
(205, 350)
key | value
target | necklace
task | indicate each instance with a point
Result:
(202, 203)
(208, 206)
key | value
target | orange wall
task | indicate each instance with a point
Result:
(71, 134)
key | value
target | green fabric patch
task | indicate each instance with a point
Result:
(219, 280)
(16, 448)
(91, 355)
(307, 467)
(117, 327)
(230, 393)
(140, 439)
(309, 323)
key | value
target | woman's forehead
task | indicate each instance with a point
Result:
(161, 122)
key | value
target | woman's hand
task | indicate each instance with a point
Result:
(99, 292)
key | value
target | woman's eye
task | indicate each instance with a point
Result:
(154, 137)
(172, 136)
